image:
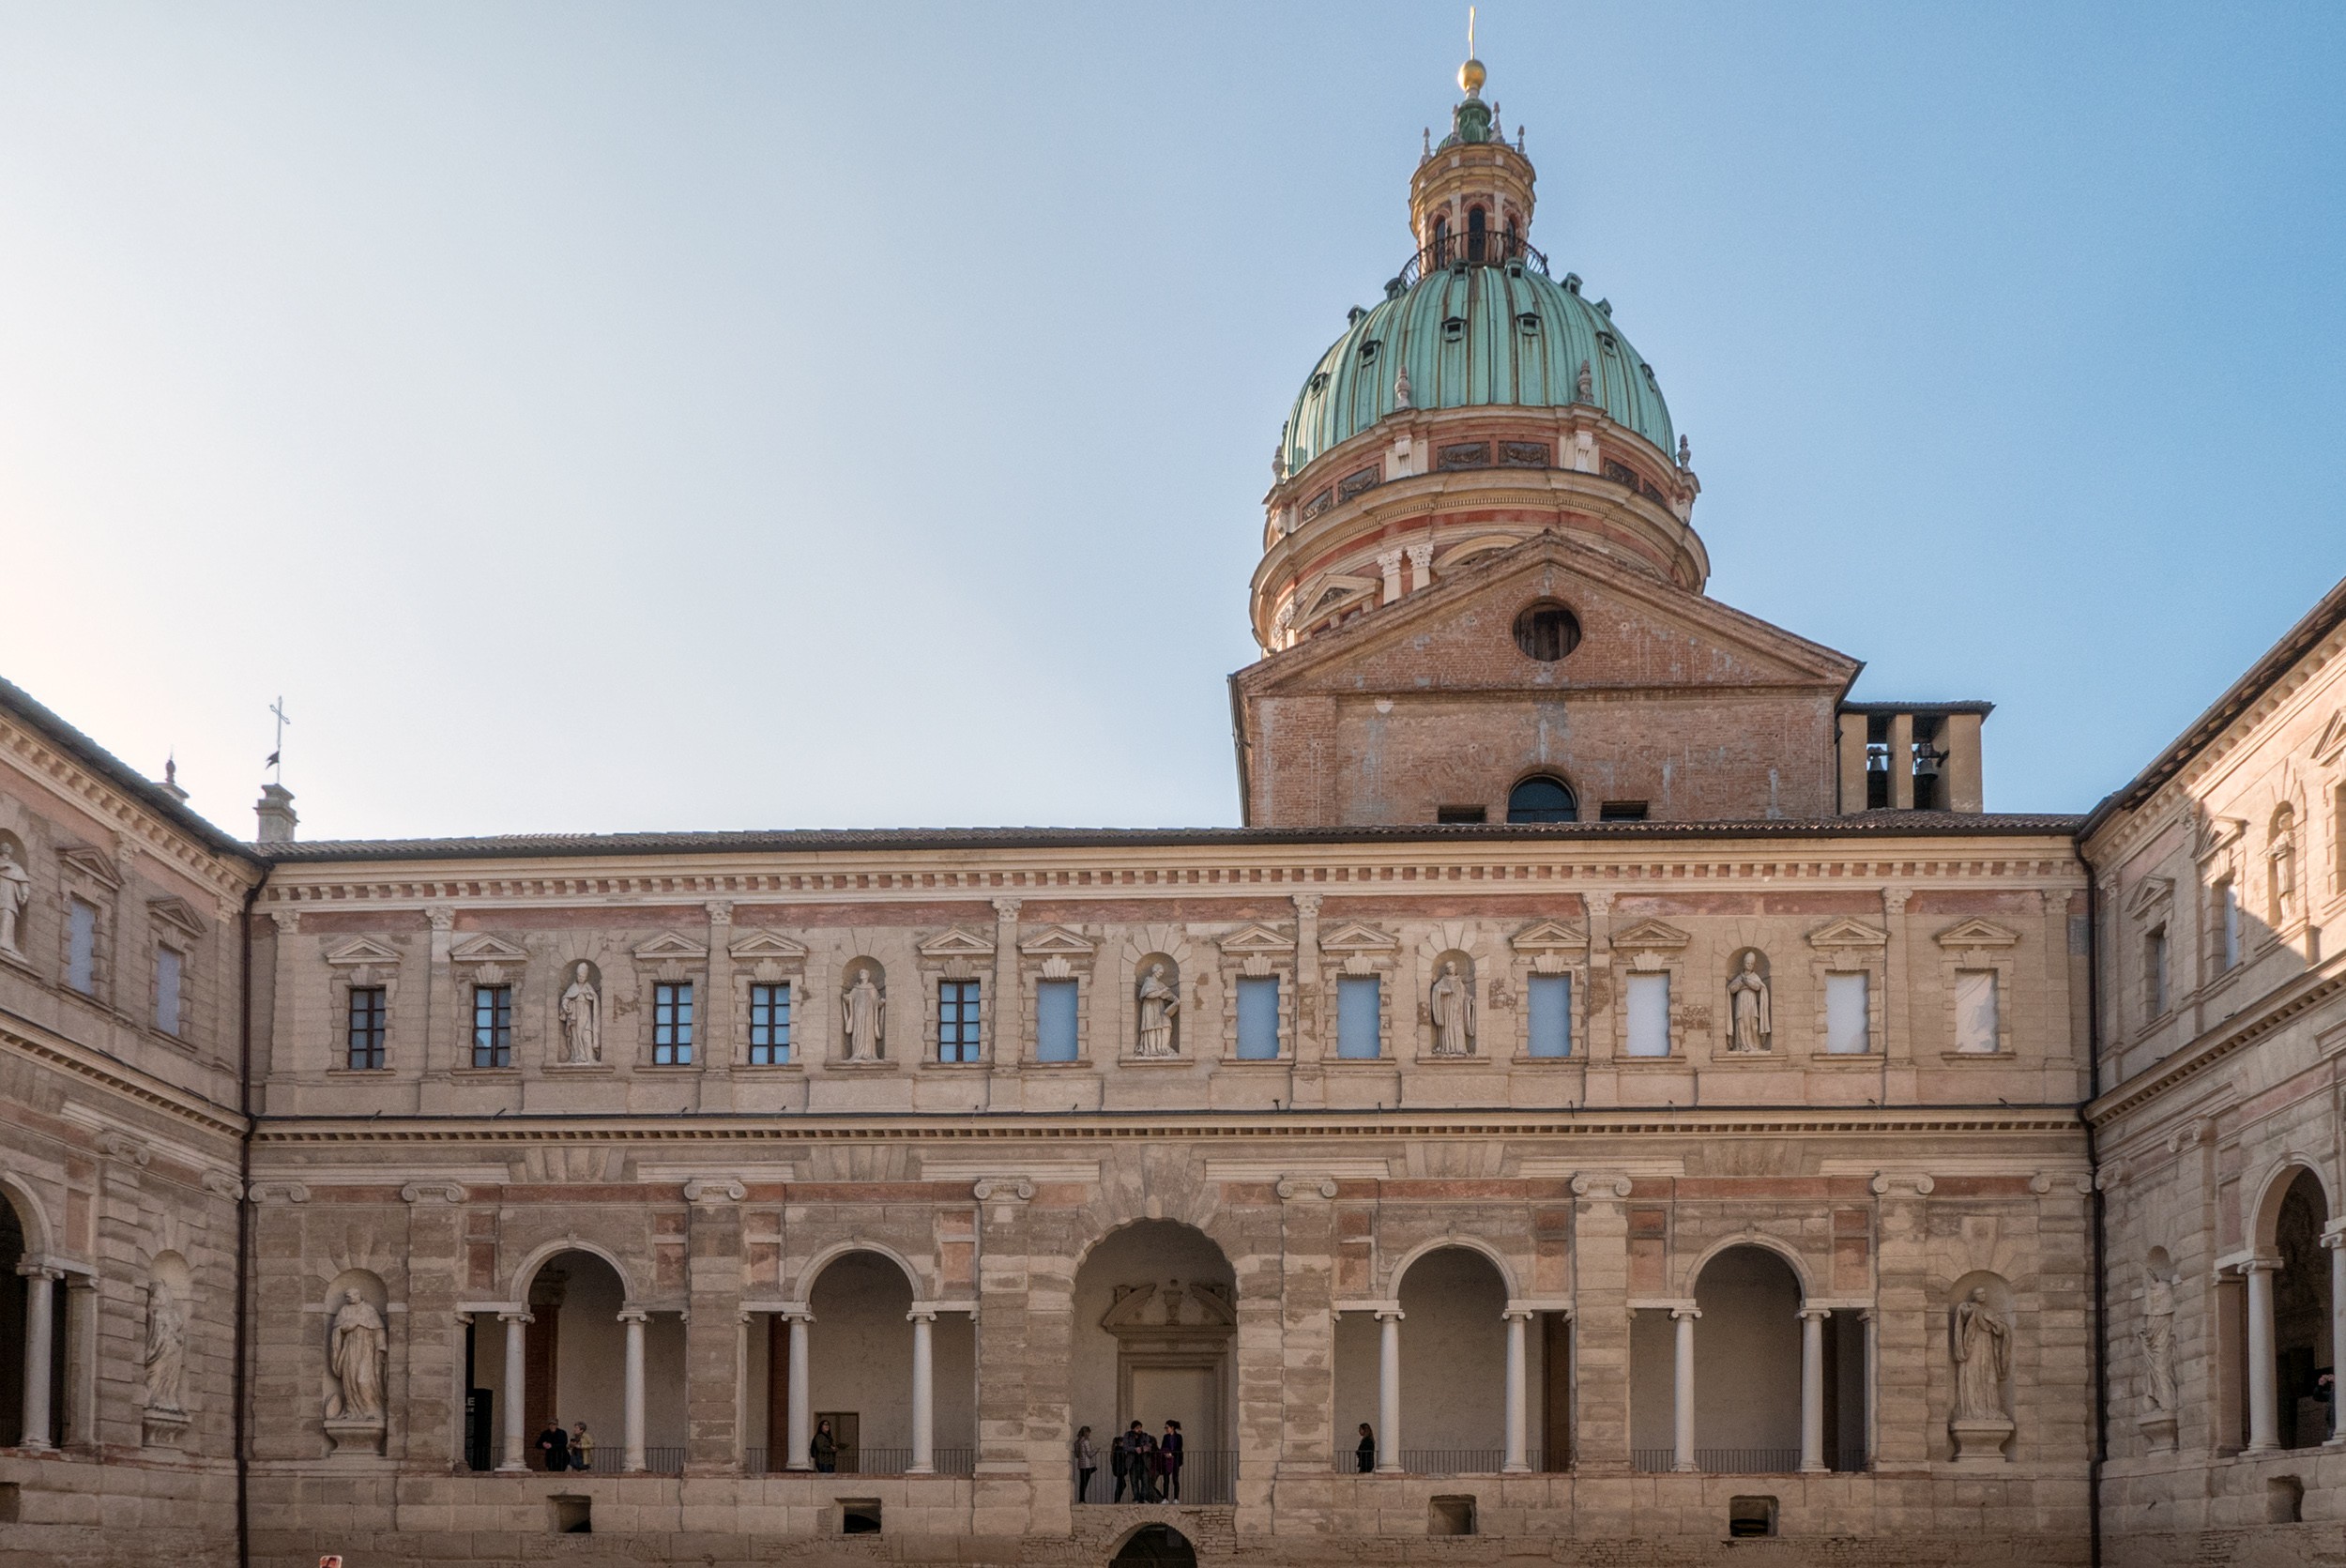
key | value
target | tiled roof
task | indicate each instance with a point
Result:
(19, 704)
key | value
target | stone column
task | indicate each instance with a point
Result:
(1683, 1389)
(427, 1416)
(1598, 1007)
(631, 1395)
(801, 1422)
(2335, 1240)
(1307, 1327)
(1601, 1321)
(445, 1046)
(1812, 1388)
(1389, 1391)
(1519, 1458)
(715, 1037)
(1872, 1321)
(711, 1325)
(2264, 1428)
(41, 1295)
(923, 1394)
(1389, 568)
(1421, 567)
(516, 1379)
(1307, 1075)
(1005, 1052)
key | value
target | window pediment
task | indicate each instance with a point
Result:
(2150, 894)
(178, 914)
(958, 943)
(1848, 931)
(1976, 932)
(669, 945)
(2332, 741)
(1549, 936)
(766, 944)
(90, 863)
(485, 948)
(1257, 939)
(1652, 935)
(365, 950)
(1352, 936)
(1058, 941)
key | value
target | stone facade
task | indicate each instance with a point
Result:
(1616, 1097)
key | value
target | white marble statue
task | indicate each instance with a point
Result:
(16, 891)
(1452, 1006)
(166, 1350)
(1159, 1001)
(1983, 1359)
(582, 1021)
(2157, 1334)
(355, 1356)
(864, 1012)
(1747, 995)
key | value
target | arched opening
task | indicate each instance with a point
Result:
(14, 1296)
(1156, 1326)
(1440, 243)
(1478, 225)
(1542, 797)
(2302, 1351)
(861, 1371)
(573, 1356)
(1749, 1350)
(1154, 1546)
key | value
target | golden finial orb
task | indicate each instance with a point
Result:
(1470, 77)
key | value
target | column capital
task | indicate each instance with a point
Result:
(2261, 1266)
(2334, 1235)
(795, 1311)
(39, 1270)
(516, 1317)
(1817, 1313)
(719, 911)
(1517, 1314)
(922, 1313)
(1307, 903)
(1391, 1312)
(1684, 1313)
(1007, 908)
(634, 1314)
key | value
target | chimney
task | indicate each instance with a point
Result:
(276, 813)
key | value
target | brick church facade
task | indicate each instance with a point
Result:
(1614, 1097)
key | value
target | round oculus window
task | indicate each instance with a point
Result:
(1546, 631)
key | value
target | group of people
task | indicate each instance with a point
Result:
(574, 1450)
(1149, 1466)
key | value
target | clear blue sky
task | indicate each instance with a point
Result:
(604, 416)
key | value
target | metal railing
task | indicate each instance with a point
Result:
(604, 1459)
(868, 1461)
(1449, 1461)
(1492, 248)
(1207, 1475)
(1720, 1461)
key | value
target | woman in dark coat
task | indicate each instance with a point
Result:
(824, 1450)
(1367, 1450)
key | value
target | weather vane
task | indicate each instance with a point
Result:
(1469, 32)
(277, 757)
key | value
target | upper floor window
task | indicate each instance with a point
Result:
(672, 1023)
(1550, 1032)
(769, 1024)
(1978, 1024)
(1848, 1015)
(956, 1020)
(2154, 973)
(1055, 1020)
(169, 969)
(1542, 798)
(1258, 1018)
(1478, 225)
(1360, 1021)
(2228, 924)
(370, 1011)
(1649, 1014)
(80, 946)
(493, 1026)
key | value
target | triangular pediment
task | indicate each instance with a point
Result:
(2149, 894)
(669, 944)
(98, 867)
(2216, 834)
(366, 949)
(1848, 931)
(957, 943)
(1058, 941)
(178, 914)
(486, 949)
(1651, 933)
(1638, 631)
(1549, 936)
(1352, 936)
(765, 944)
(1976, 932)
(1256, 938)
(2333, 740)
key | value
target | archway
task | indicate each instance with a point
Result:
(1454, 1364)
(861, 1372)
(1747, 1363)
(1156, 1326)
(572, 1361)
(13, 1299)
(1154, 1546)
(2302, 1351)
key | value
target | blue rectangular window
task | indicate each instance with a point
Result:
(168, 968)
(1359, 1023)
(672, 1025)
(81, 947)
(1258, 1018)
(1055, 1020)
(368, 1007)
(956, 1020)
(769, 1024)
(1649, 1016)
(493, 1026)
(1551, 1016)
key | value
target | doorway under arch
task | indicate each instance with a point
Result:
(1154, 1339)
(1155, 1546)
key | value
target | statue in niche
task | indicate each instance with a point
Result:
(582, 1021)
(1452, 1009)
(2157, 1334)
(1983, 1359)
(1159, 1001)
(16, 891)
(355, 1355)
(166, 1350)
(863, 1011)
(1747, 996)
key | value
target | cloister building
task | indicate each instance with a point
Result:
(1639, 1093)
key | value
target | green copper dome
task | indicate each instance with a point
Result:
(1474, 336)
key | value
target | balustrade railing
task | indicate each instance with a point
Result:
(1207, 1475)
(1489, 249)
(1720, 1461)
(1449, 1461)
(867, 1461)
(604, 1459)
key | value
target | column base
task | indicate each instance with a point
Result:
(1389, 1470)
(919, 1470)
(1816, 1469)
(1521, 1467)
(1687, 1468)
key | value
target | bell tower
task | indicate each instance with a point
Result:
(1470, 198)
